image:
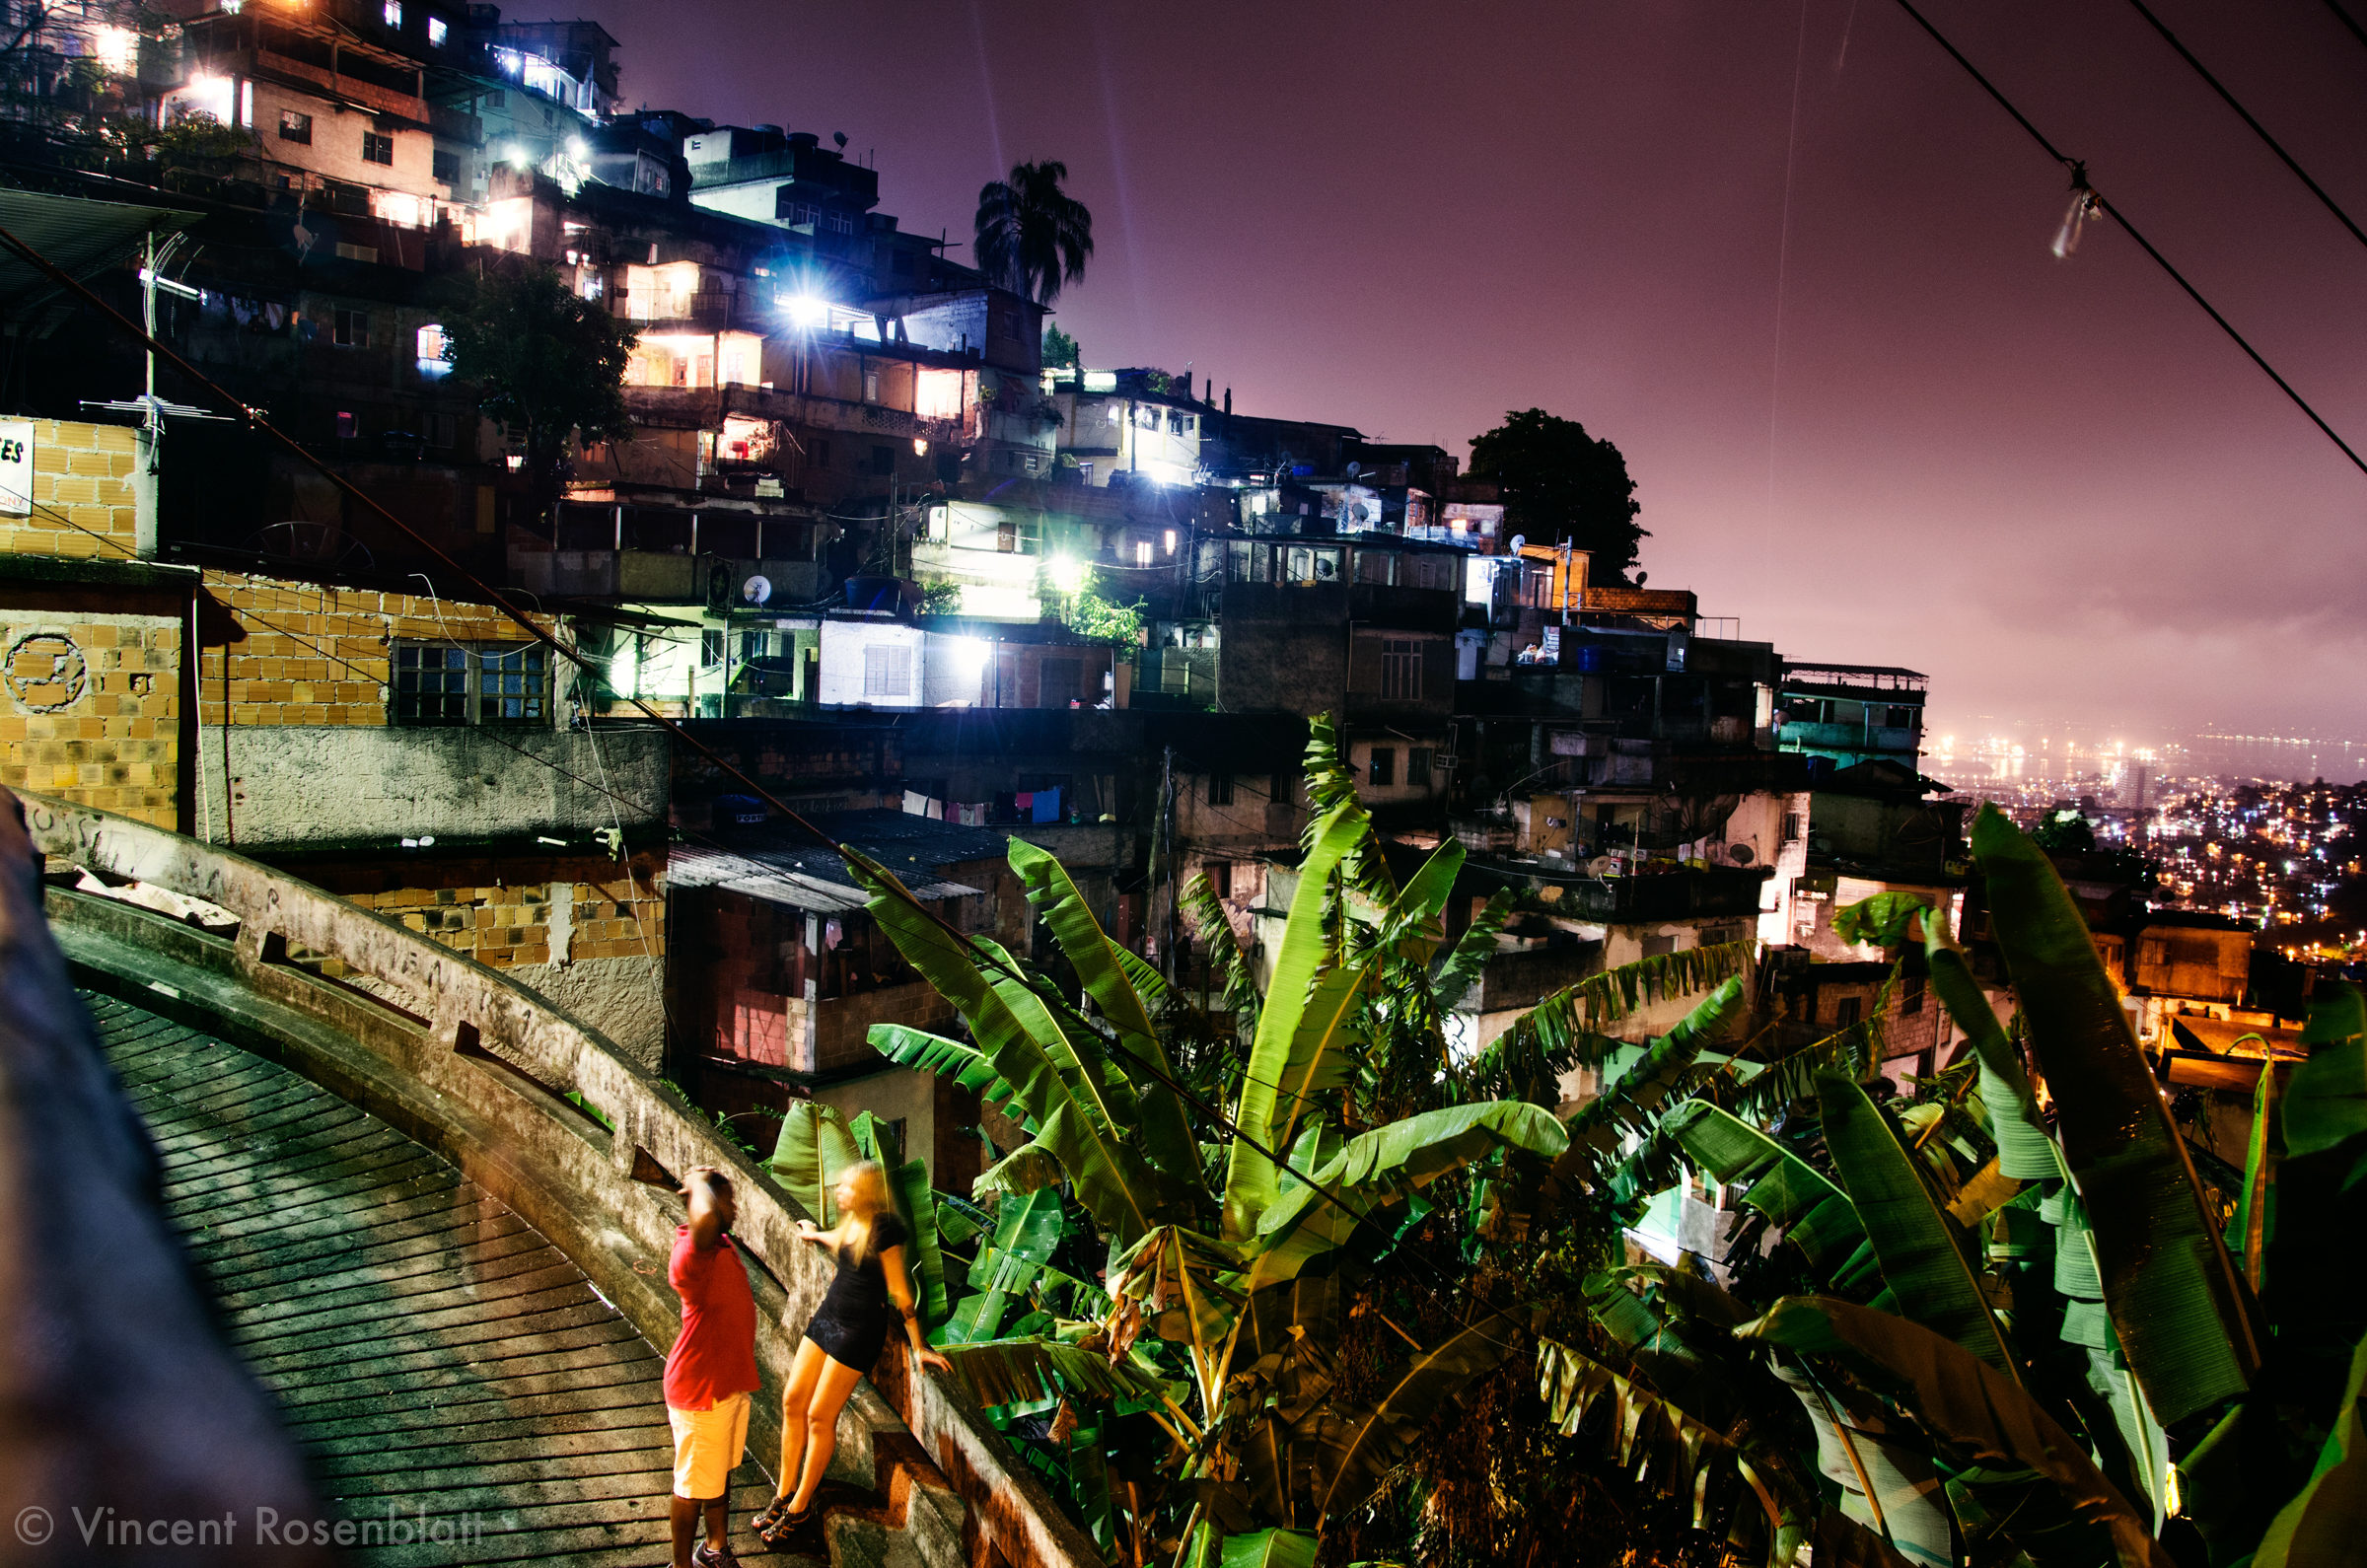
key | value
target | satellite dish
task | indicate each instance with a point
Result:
(840, 138)
(1355, 469)
(1741, 854)
(756, 590)
(1603, 865)
(1519, 540)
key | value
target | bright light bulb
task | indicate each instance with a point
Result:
(805, 311)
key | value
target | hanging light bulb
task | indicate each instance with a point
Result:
(2084, 205)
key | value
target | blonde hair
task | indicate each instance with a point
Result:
(866, 1188)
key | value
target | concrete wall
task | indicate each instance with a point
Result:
(265, 784)
(844, 660)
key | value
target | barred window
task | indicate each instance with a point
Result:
(439, 683)
(1400, 668)
(1417, 768)
(1383, 771)
(377, 148)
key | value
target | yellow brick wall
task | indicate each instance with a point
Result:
(82, 503)
(91, 709)
(620, 915)
(303, 653)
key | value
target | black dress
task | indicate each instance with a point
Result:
(852, 1324)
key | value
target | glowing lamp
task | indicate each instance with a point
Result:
(1068, 575)
(806, 311)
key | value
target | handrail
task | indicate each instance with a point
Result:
(487, 1081)
(119, 1399)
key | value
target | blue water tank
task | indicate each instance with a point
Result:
(1591, 658)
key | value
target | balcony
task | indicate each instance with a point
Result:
(1888, 739)
(1667, 896)
(703, 408)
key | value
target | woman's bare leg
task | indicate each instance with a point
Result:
(831, 1393)
(804, 1372)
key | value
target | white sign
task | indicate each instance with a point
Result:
(16, 468)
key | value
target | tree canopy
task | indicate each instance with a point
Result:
(1560, 483)
(1033, 237)
(544, 362)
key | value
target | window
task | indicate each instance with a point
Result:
(351, 329)
(1913, 1003)
(1792, 827)
(1659, 946)
(871, 385)
(446, 167)
(295, 127)
(1400, 668)
(887, 671)
(883, 460)
(1901, 719)
(433, 345)
(433, 683)
(1417, 768)
(393, 13)
(1845, 1012)
(356, 253)
(348, 423)
(438, 31)
(2153, 952)
(1142, 552)
(1280, 790)
(1384, 772)
(377, 148)
(1220, 878)
(513, 685)
(1220, 789)
(710, 648)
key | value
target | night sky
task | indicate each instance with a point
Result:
(2053, 485)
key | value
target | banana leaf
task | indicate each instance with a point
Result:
(1114, 1182)
(1408, 926)
(1921, 1260)
(965, 1065)
(1882, 922)
(1355, 1448)
(1018, 1371)
(916, 1205)
(1213, 929)
(1887, 1481)
(2053, 1502)
(2326, 1526)
(1026, 1168)
(1459, 971)
(2025, 1149)
(1250, 1184)
(1647, 1431)
(1630, 1106)
(1165, 1135)
(813, 1148)
(1839, 1541)
(2325, 1104)
(1271, 1548)
(2186, 1322)
(1028, 1231)
(1376, 1169)
(1807, 1206)
(1581, 1010)
(2256, 1209)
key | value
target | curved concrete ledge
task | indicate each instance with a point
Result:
(479, 1068)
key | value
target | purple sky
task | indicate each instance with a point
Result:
(2053, 485)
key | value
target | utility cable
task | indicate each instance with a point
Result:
(2079, 182)
(2244, 115)
(2348, 21)
(891, 888)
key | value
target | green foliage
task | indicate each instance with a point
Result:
(1059, 349)
(545, 362)
(1088, 614)
(941, 598)
(2064, 833)
(1560, 483)
(1032, 237)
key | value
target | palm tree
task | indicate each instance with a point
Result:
(1033, 237)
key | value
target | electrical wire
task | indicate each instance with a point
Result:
(2244, 115)
(2079, 182)
(2348, 19)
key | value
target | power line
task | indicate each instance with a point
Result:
(2244, 115)
(2079, 182)
(2348, 19)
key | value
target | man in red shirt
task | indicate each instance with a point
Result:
(711, 1370)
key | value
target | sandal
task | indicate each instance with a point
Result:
(777, 1523)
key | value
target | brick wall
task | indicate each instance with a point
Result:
(82, 494)
(276, 652)
(92, 709)
(501, 913)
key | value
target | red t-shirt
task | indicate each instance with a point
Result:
(716, 1355)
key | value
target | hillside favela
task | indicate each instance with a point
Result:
(1035, 788)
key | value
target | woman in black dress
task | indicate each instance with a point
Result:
(843, 1340)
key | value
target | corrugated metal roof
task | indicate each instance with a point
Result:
(78, 236)
(789, 879)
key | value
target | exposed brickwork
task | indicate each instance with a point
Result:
(499, 912)
(92, 711)
(277, 652)
(82, 500)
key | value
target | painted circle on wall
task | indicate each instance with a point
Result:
(45, 672)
